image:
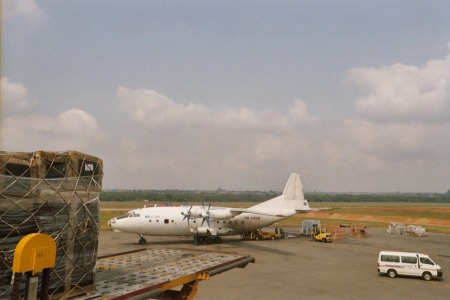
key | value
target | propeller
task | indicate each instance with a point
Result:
(203, 213)
(206, 217)
(187, 214)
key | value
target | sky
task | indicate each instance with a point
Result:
(353, 95)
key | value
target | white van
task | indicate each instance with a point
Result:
(409, 264)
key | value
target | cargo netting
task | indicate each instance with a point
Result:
(56, 193)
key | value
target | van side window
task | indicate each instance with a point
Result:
(390, 258)
(426, 261)
(409, 259)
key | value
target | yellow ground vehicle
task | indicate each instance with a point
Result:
(261, 235)
(319, 234)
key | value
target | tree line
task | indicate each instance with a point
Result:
(168, 196)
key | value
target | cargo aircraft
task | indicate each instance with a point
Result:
(207, 224)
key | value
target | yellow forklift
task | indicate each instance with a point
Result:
(319, 234)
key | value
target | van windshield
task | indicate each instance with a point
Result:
(427, 261)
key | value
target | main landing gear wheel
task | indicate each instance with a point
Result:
(209, 239)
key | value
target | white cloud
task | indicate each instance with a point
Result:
(20, 125)
(71, 129)
(73, 121)
(160, 143)
(403, 92)
(399, 133)
(366, 147)
(152, 109)
(346, 157)
(176, 139)
(299, 112)
(404, 115)
(76, 122)
(15, 97)
(27, 10)
(405, 138)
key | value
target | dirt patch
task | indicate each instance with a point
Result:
(386, 219)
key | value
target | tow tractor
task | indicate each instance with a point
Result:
(319, 234)
(262, 235)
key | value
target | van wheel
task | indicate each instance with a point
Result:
(427, 276)
(391, 273)
(324, 240)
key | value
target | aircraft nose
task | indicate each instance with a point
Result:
(112, 221)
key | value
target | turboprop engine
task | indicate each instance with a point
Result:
(199, 213)
(222, 214)
(215, 214)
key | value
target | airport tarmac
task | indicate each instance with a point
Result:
(297, 268)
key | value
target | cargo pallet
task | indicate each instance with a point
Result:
(154, 273)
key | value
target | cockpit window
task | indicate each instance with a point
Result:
(129, 215)
(123, 217)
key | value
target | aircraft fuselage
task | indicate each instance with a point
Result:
(169, 221)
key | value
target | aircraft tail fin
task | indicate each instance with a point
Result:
(292, 197)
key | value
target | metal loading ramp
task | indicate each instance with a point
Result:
(153, 273)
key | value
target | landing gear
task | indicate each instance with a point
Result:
(208, 239)
(196, 239)
(142, 241)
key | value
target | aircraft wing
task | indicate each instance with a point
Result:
(313, 210)
(238, 211)
(222, 213)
